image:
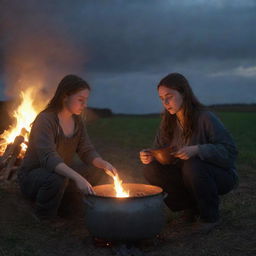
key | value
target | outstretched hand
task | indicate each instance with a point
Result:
(84, 186)
(187, 152)
(110, 169)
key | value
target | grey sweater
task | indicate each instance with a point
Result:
(48, 146)
(216, 145)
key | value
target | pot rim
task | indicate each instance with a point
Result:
(130, 197)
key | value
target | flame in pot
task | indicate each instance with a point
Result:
(120, 192)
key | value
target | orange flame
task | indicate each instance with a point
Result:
(24, 115)
(120, 192)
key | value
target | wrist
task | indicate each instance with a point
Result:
(76, 177)
(100, 163)
(103, 164)
(196, 150)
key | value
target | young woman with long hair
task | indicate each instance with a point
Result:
(205, 154)
(57, 133)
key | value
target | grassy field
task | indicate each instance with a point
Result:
(119, 140)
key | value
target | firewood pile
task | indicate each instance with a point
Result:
(11, 157)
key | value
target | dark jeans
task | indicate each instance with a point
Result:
(192, 184)
(47, 189)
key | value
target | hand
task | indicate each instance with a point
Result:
(146, 156)
(187, 152)
(110, 169)
(84, 186)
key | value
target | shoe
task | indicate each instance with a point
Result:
(202, 227)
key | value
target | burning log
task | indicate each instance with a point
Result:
(13, 147)
(5, 156)
(8, 159)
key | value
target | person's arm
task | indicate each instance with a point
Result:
(146, 156)
(221, 149)
(85, 149)
(81, 183)
(43, 136)
(106, 166)
(88, 154)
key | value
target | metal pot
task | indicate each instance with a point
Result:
(140, 216)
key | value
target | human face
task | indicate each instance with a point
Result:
(171, 99)
(77, 102)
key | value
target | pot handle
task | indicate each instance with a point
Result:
(165, 195)
(88, 202)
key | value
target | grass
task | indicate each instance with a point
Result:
(136, 132)
(238, 207)
(242, 126)
(129, 131)
(119, 139)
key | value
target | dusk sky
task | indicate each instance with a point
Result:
(124, 47)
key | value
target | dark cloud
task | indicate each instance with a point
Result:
(177, 35)
(117, 43)
(131, 35)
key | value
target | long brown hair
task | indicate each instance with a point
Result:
(191, 107)
(69, 85)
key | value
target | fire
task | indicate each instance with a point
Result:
(24, 115)
(120, 192)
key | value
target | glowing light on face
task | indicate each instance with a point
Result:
(171, 99)
(77, 102)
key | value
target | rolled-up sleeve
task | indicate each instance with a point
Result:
(221, 149)
(85, 149)
(43, 139)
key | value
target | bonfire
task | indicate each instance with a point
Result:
(13, 141)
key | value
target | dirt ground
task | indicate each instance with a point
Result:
(21, 234)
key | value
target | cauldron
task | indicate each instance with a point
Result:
(137, 217)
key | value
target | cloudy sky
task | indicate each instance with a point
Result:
(124, 47)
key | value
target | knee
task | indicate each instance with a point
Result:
(193, 170)
(57, 181)
(192, 163)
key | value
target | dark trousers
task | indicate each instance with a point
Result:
(192, 184)
(47, 188)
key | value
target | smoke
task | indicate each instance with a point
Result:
(124, 47)
(37, 51)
